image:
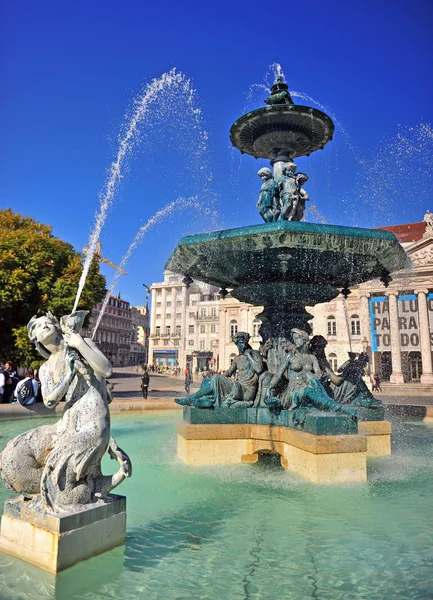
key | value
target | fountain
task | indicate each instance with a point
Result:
(287, 400)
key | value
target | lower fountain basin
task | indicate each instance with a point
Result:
(191, 531)
(298, 256)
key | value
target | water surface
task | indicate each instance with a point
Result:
(251, 531)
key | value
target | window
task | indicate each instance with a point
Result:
(192, 315)
(233, 328)
(213, 328)
(179, 303)
(168, 304)
(194, 303)
(332, 358)
(355, 325)
(158, 315)
(167, 330)
(202, 345)
(158, 304)
(156, 343)
(203, 313)
(190, 343)
(168, 316)
(178, 330)
(256, 327)
(176, 342)
(191, 329)
(158, 292)
(213, 312)
(202, 328)
(158, 330)
(332, 325)
(178, 315)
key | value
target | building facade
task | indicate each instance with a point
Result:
(179, 333)
(393, 324)
(139, 346)
(114, 333)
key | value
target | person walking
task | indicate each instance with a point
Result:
(145, 379)
(378, 388)
(188, 380)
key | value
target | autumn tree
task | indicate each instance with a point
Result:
(38, 273)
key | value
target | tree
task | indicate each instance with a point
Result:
(38, 273)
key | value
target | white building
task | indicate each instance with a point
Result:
(178, 332)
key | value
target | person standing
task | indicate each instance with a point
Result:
(11, 381)
(27, 389)
(2, 384)
(145, 379)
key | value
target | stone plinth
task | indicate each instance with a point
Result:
(56, 541)
(378, 434)
(317, 458)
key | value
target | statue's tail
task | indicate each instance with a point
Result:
(105, 483)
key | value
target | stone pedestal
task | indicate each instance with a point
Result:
(378, 434)
(56, 541)
(317, 458)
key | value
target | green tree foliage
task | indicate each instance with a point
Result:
(38, 273)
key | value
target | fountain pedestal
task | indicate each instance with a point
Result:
(317, 458)
(55, 542)
(331, 448)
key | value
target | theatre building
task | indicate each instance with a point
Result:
(393, 324)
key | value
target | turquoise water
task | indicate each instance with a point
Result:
(251, 531)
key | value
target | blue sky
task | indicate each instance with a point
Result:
(71, 71)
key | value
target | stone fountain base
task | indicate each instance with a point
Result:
(55, 542)
(331, 448)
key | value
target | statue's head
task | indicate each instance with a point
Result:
(352, 355)
(301, 178)
(300, 337)
(241, 340)
(363, 358)
(44, 331)
(289, 168)
(265, 174)
(318, 343)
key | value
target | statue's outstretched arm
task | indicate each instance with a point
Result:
(91, 353)
(231, 370)
(316, 367)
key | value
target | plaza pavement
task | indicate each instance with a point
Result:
(163, 388)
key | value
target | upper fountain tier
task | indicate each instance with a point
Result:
(282, 130)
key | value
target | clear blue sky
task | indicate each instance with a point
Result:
(70, 72)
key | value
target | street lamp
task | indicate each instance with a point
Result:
(148, 290)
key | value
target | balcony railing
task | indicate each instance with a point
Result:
(207, 318)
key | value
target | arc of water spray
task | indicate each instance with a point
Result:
(151, 92)
(154, 220)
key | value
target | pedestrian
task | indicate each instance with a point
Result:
(373, 382)
(378, 388)
(11, 381)
(26, 390)
(145, 379)
(2, 384)
(188, 380)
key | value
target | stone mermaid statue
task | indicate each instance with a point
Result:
(62, 462)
